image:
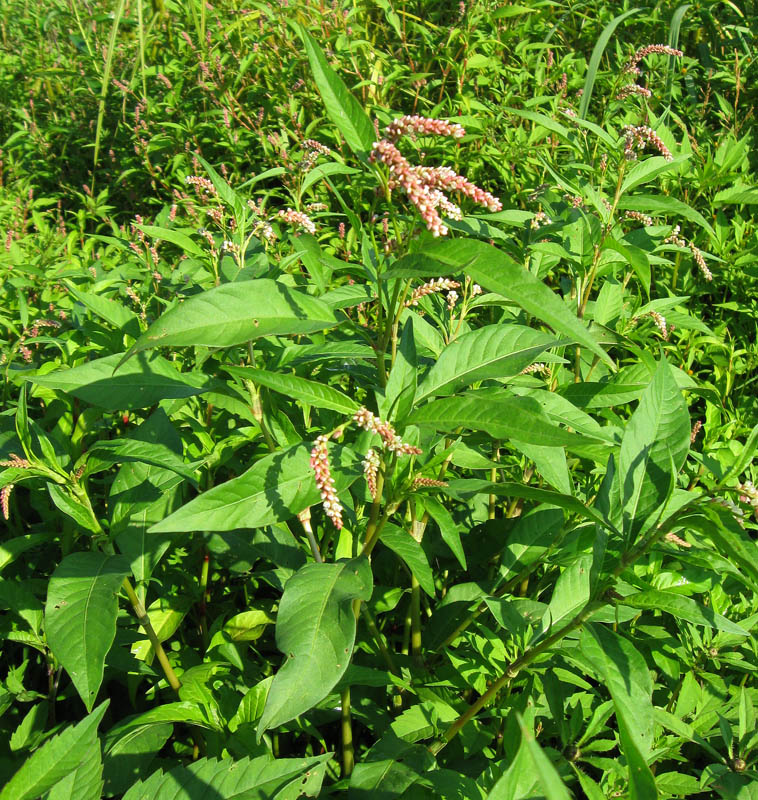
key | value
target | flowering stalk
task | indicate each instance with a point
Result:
(325, 482)
(366, 420)
(637, 137)
(662, 49)
(431, 287)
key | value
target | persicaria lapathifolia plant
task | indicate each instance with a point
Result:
(404, 499)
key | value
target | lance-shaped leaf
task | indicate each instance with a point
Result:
(141, 383)
(497, 272)
(656, 438)
(315, 629)
(247, 779)
(624, 672)
(341, 107)
(56, 759)
(519, 418)
(311, 392)
(86, 781)
(274, 489)
(406, 548)
(236, 313)
(684, 608)
(80, 616)
(495, 351)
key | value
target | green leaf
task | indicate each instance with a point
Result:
(596, 57)
(572, 589)
(311, 392)
(408, 550)
(56, 759)
(657, 435)
(645, 171)
(323, 171)
(139, 384)
(497, 272)
(663, 205)
(80, 616)
(129, 756)
(448, 529)
(684, 608)
(550, 462)
(119, 451)
(315, 629)
(494, 351)
(547, 774)
(225, 192)
(112, 311)
(743, 460)
(341, 107)
(540, 119)
(235, 313)
(624, 672)
(261, 778)
(467, 487)
(505, 417)
(736, 196)
(189, 713)
(274, 489)
(86, 781)
(142, 495)
(400, 391)
(11, 549)
(70, 506)
(181, 240)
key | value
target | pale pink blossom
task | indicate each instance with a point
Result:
(324, 482)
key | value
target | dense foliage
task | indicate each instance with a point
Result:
(379, 400)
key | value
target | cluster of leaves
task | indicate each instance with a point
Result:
(224, 331)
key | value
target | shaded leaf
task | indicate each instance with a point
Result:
(315, 629)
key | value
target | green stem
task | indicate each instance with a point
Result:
(205, 596)
(144, 620)
(416, 621)
(519, 664)
(379, 639)
(592, 606)
(348, 751)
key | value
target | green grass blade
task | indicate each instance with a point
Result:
(106, 81)
(597, 55)
(676, 24)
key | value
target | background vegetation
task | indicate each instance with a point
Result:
(535, 569)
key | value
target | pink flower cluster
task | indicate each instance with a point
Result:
(446, 180)
(202, 185)
(696, 428)
(643, 52)
(298, 219)
(324, 481)
(637, 137)
(431, 287)
(5, 496)
(366, 420)
(638, 216)
(660, 322)
(426, 186)
(697, 254)
(371, 470)
(420, 481)
(633, 88)
(312, 144)
(5, 492)
(423, 126)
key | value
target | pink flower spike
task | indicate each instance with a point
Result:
(410, 125)
(324, 481)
